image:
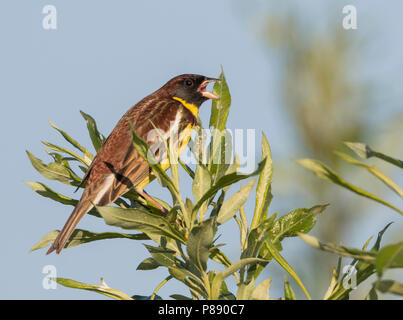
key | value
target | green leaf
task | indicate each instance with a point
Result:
(46, 192)
(233, 168)
(263, 186)
(80, 236)
(96, 138)
(200, 242)
(162, 256)
(372, 295)
(86, 161)
(245, 290)
(390, 286)
(139, 297)
(326, 173)
(299, 220)
(45, 240)
(189, 170)
(334, 279)
(139, 219)
(243, 227)
(221, 140)
(364, 151)
(255, 241)
(288, 292)
(217, 204)
(148, 264)
(179, 297)
(368, 256)
(53, 171)
(390, 256)
(361, 149)
(201, 184)
(198, 145)
(220, 153)
(176, 193)
(186, 272)
(261, 292)
(220, 108)
(231, 206)
(374, 171)
(194, 283)
(219, 256)
(57, 157)
(102, 289)
(143, 150)
(377, 244)
(225, 181)
(189, 208)
(225, 293)
(173, 160)
(282, 262)
(178, 273)
(216, 284)
(73, 142)
(240, 264)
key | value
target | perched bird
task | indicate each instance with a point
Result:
(117, 166)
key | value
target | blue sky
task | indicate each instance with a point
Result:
(102, 59)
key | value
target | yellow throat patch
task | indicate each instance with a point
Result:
(190, 106)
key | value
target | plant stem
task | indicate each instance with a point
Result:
(160, 286)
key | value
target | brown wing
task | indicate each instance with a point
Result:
(118, 155)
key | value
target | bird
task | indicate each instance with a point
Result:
(118, 167)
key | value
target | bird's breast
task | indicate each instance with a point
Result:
(178, 133)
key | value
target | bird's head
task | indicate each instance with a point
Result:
(191, 88)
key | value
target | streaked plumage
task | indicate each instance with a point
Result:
(118, 167)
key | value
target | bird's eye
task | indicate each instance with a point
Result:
(188, 82)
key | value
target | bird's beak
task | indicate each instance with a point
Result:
(203, 86)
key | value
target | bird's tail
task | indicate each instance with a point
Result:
(79, 211)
